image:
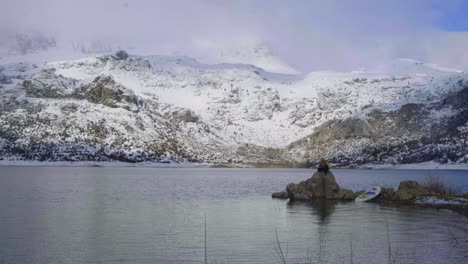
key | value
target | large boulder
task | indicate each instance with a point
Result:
(387, 194)
(345, 194)
(409, 191)
(320, 185)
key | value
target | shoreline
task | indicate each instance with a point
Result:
(430, 165)
(455, 204)
(170, 164)
(103, 164)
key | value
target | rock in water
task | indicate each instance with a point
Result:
(345, 194)
(280, 195)
(320, 185)
(387, 194)
(409, 190)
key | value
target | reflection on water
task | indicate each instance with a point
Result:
(321, 208)
(143, 215)
(366, 231)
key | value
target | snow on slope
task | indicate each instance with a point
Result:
(245, 104)
(410, 66)
(175, 105)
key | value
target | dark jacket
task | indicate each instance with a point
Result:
(323, 168)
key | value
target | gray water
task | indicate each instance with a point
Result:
(149, 215)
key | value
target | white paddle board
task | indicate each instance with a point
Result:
(369, 195)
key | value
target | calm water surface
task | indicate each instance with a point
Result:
(149, 215)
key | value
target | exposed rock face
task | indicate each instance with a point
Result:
(411, 134)
(341, 129)
(387, 194)
(46, 84)
(104, 90)
(320, 185)
(35, 88)
(458, 100)
(120, 55)
(184, 115)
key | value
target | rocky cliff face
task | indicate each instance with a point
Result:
(414, 133)
(159, 108)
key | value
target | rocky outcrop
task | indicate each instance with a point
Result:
(47, 84)
(102, 90)
(412, 193)
(105, 90)
(387, 194)
(323, 186)
(320, 185)
(457, 100)
(183, 115)
(409, 190)
(341, 129)
(412, 133)
(120, 55)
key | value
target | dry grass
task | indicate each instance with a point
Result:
(351, 246)
(279, 251)
(436, 185)
(206, 247)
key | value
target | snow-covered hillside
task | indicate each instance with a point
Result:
(158, 107)
(249, 105)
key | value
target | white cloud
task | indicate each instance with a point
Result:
(310, 35)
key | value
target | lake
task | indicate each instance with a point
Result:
(157, 215)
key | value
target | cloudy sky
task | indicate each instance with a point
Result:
(309, 35)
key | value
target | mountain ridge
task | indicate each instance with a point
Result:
(155, 108)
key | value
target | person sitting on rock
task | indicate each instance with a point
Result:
(324, 166)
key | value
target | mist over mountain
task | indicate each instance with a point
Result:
(304, 36)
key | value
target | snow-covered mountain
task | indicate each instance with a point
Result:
(138, 108)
